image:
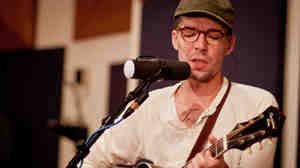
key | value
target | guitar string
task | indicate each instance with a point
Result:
(235, 132)
(213, 147)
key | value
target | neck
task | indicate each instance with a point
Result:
(202, 90)
(193, 97)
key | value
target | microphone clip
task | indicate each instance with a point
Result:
(156, 76)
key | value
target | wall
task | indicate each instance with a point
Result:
(17, 24)
(55, 28)
(291, 91)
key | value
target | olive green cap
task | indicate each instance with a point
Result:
(221, 10)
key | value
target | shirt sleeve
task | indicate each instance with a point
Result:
(118, 145)
(261, 155)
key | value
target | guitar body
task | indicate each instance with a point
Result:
(142, 163)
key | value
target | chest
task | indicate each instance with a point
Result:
(169, 146)
(189, 114)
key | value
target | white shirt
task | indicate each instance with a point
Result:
(154, 131)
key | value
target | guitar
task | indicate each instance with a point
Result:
(266, 125)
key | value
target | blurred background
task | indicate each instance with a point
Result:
(65, 59)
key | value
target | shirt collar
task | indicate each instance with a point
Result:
(209, 111)
(212, 108)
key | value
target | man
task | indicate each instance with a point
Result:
(166, 126)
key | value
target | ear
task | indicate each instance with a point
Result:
(231, 44)
(175, 39)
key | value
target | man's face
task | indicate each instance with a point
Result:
(205, 55)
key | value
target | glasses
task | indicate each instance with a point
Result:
(212, 36)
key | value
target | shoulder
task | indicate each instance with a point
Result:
(250, 91)
(158, 105)
(160, 97)
(251, 98)
(167, 91)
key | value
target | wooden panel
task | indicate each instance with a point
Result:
(99, 17)
(17, 23)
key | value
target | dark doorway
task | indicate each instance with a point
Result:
(34, 80)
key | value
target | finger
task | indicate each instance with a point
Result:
(212, 161)
(201, 158)
(208, 156)
(198, 161)
(212, 139)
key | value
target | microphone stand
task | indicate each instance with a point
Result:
(141, 93)
(145, 84)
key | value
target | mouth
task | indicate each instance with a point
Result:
(199, 59)
(198, 63)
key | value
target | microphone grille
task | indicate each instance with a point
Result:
(128, 69)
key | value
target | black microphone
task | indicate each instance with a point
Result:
(154, 68)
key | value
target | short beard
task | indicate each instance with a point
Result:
(203, 79)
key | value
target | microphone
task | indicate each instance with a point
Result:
(155, 68)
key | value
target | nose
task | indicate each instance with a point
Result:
(201, 42)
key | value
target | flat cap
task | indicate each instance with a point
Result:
(221, 10)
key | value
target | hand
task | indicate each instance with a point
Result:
(206, 160)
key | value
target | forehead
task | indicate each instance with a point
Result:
(202, 23)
